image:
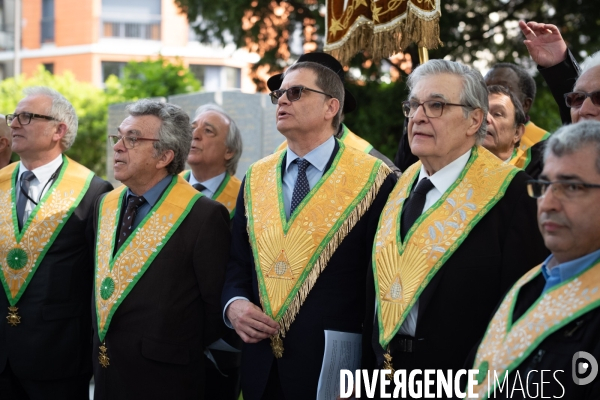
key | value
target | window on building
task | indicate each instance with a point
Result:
(112, 68)
(131, 19)
(49, 67)
(47, 21)
(216, 77)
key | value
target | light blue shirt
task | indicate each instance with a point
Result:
(318, 159)
(211, 185)
(152, 196)
(565, 271)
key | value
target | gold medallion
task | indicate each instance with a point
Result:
(387, 364)
(277, 346)
(13, 317)
(103, 357)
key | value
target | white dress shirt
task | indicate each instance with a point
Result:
(38, 186)
(211, 185)
(442, 180)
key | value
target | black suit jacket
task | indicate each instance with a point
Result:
(53, 340)
(561, 78)
(554, 354)
(157, 336)
(455, 307)
(336, 302)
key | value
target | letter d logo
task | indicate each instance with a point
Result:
(590, 364)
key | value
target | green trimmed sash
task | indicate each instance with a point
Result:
(117, 275)
(21, 252)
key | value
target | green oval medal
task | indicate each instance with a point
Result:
(16, 258)
(107, 287)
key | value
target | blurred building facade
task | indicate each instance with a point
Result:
(96, 38)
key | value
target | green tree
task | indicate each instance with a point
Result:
(152, 78)
(90, 104)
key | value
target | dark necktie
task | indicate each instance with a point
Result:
(413, 207)
(301, 188)
(25, 183)
(199, 187)
(133, 203)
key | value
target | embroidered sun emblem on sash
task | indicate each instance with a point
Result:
(281, 269)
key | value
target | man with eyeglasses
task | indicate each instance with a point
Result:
(344, 134)
(457, 230)
(302, 235)
(160, 264)
(549, 321)
(576, 90)
(46, 254)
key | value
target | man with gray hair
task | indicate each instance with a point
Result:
(457, 230)
(214, 155)
(550, 319)
(5, 143)
(46, 254)
(161, 250)
(301, 243)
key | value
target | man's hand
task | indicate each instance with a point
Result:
(544, 42)
(250, 322)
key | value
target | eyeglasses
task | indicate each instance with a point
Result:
(24, 118)
(293, 93)
(128, 141)
(432, 108)
(560, 189)
(576, 99)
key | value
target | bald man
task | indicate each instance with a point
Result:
(5, 143)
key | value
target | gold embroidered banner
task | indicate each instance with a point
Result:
(381, 27)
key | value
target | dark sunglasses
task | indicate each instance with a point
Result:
(576, 99)
(293, 93)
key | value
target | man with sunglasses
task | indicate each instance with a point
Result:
(576, 90)
(457, 230)
(302, 236)
(46, 253)
(160, 263)
(344, 134)
(549, 322)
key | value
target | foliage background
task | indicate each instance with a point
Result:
(151, 78)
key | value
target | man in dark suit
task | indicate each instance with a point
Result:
(46, 244)
(311, 214)
(456, 232)
(549, 322)
(214, 155)
(160, 263)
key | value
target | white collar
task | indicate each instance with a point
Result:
(446, 176)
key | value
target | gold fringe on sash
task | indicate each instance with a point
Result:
(290, 315)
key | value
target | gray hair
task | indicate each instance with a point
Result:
(61, 109)
(233, 141)
(327, 81)
(590, 62)
(571, 138)
(474, 91)
(175, 132)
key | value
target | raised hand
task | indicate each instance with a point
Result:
(544, 42)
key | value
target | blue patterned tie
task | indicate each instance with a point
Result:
(25, 183)
(301, 188)
(133, 203)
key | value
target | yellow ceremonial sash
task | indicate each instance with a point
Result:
(227, 192)
(21, 252)
(289, 255)
(349, 138)
(507, 343)
(116, 275)
(402, 270)
(533, 134)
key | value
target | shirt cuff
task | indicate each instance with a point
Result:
(225, 319)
